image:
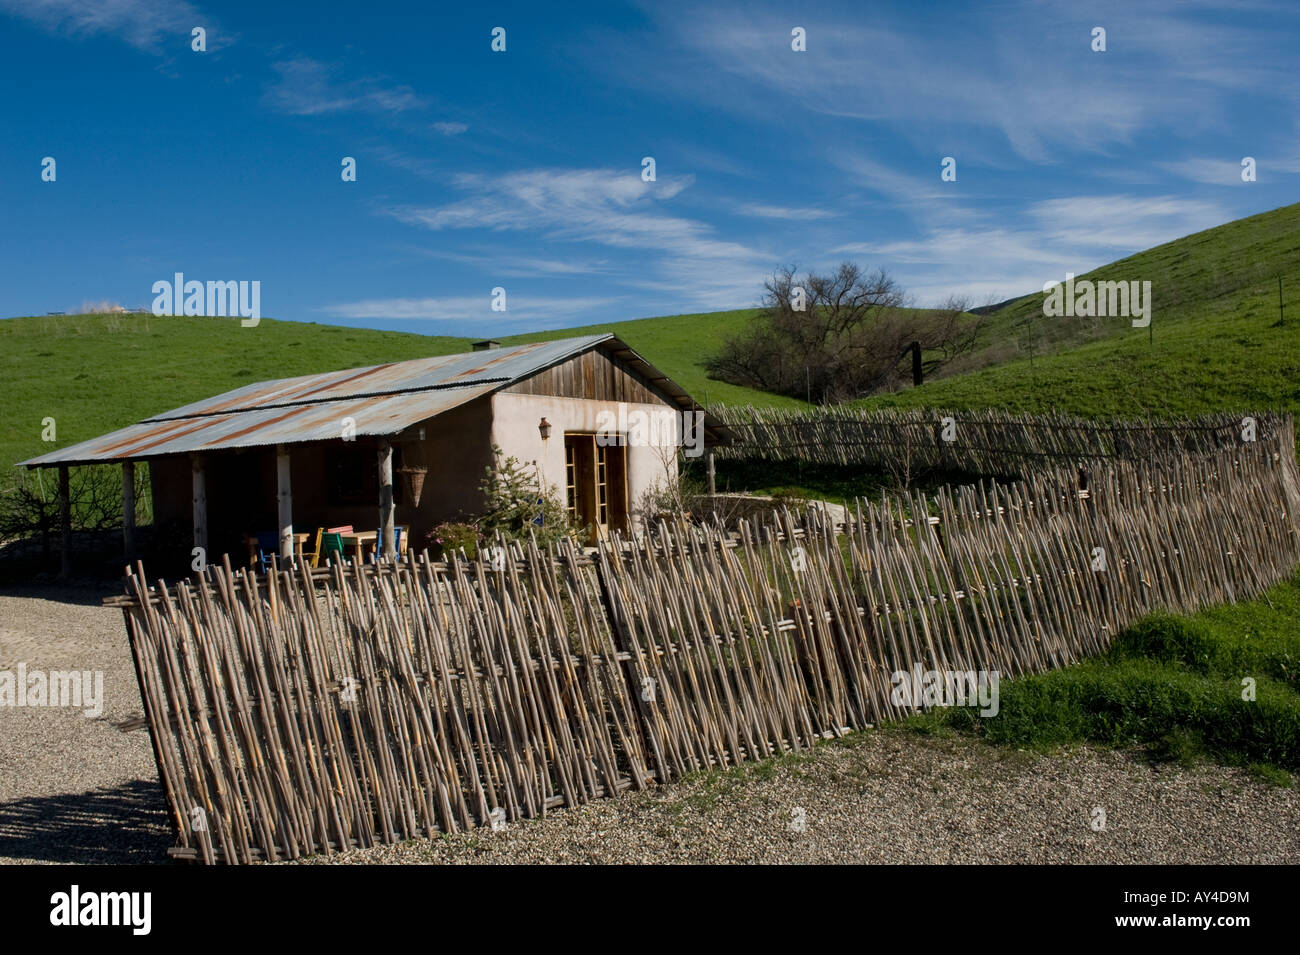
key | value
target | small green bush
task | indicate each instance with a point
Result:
(516, 505)
(452, 537)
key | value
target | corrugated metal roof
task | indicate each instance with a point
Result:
(381, 399)
(501, 365)
(283, 424)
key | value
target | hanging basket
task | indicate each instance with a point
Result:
(413, 481)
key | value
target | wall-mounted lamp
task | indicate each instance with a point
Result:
(544, 429)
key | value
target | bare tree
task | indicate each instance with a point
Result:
(840, 336)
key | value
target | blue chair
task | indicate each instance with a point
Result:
(379, 542)
(268, 547)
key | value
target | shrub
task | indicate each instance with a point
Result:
(453, 537)
(516, 505)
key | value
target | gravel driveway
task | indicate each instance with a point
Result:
(74, 789)
(896, 797)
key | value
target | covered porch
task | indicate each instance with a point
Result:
(249, 503)
(359, 489)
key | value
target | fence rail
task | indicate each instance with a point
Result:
(991, 442)
(295, 713)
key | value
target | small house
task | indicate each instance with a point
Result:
(406, 443)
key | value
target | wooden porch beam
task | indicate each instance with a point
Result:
(386, 508)
(199, 483)
(128, 510)
(65, 522)
(285, 486)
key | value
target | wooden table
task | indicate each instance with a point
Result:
(359, 539)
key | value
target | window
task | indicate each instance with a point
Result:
(570, 480)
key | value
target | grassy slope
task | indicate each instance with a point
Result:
(1173, 685)
(96, 373)
(1216, 342)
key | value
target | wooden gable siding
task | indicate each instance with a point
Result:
(595, 375)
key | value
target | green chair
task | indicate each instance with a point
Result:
(332, 546)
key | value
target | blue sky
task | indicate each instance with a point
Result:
(523, 169)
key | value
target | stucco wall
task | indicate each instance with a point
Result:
(515, 419)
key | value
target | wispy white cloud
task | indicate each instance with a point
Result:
(1215, 172)
(612, 208)
(1122, 223)
(143, 24)
(520, 307)
(598, 204)
(306, 87)
(996, 261)
(905, 187)
(761, 210)
(1022, 70)
(450, 129)
(421, 166)
(512, 265)
(1227, 172)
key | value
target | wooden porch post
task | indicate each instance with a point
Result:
(128, 510)
(708, 461)
(199, 482)
(65, 521)
(386, 498)
(286, 502)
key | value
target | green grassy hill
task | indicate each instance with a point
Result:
(1214, 341)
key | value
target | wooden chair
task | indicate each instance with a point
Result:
(268, 548)
(399, 542)
(313, 556)
(332, 546)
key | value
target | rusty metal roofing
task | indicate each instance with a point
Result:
(500, 366)
(381, 400)
(282, 424)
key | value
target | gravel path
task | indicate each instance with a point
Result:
(897, 797)
(74, 789)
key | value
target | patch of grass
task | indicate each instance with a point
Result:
(1177, 685)
(709, 787)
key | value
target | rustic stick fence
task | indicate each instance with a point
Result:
(989, 442)
(300, 712)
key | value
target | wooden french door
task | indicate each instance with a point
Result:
(595, 485)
